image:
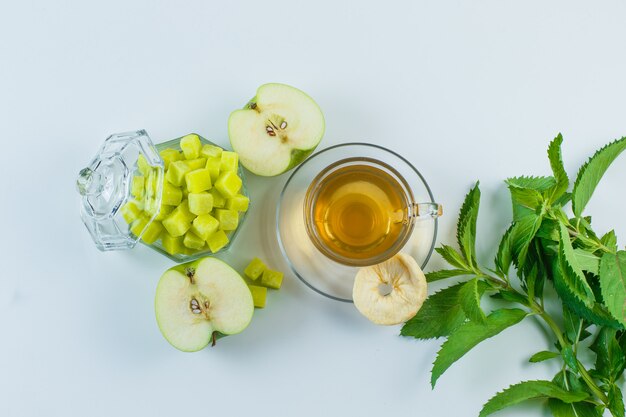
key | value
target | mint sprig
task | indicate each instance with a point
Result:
(547, 248)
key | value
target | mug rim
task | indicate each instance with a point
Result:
(310, 200)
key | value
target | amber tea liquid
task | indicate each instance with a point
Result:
(359, 211)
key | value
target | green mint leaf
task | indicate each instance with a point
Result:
(440, 314)
(549, 230)
(466, 226)
(469, 297)
(569, 357)
(573, 325)
(563, 200)
(592, 171)
(504, 257)
(596, 314)
(526, 194)
(610, 361)
(572, 272)
(527, 390)
(452, 257)
(532, 183)
(544, 355)
(525, 202)
(609, 240)
(587, 261)
(613, 284)
(512, 296)
(616, 401)
(575, 409)
(522, 234)
(443, 274)
(556, 163)
(559, 408)
(469, 334)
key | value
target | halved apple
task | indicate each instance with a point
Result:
(199, 301)
(276, 130)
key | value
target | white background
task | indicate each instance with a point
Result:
(465, 90)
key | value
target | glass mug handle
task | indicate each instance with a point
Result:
(427, 210)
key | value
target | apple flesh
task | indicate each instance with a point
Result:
(199, 301)
(276, 130)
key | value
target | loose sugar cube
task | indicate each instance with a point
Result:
(191, 146)
(272, 279)
(254, 269)
(259, 295)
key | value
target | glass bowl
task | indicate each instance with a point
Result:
(323, 275)
(157, 246)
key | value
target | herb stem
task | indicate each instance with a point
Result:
(559, 335)
(590, 383)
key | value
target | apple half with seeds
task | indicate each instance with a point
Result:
(276, 130)
(200, 301)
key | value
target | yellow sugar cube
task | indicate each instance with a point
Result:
(191, 146)
(193, 241)
(204, 225)
(172, 245)
(200, 203)
(229, 219)
(229, 161)
(238, 203)
(176, 173)
(198, 180)
(228, 184)
(217, 241)
(211, 151)
(170, 155)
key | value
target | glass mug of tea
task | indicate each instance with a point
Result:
(360, 211)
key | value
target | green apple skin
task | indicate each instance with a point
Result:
(297, 155)
(206, 279)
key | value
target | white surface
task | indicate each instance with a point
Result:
(465, 90)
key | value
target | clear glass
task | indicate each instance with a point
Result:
(157, 246)
(105, 187)
(321, 273)
(409, 212)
